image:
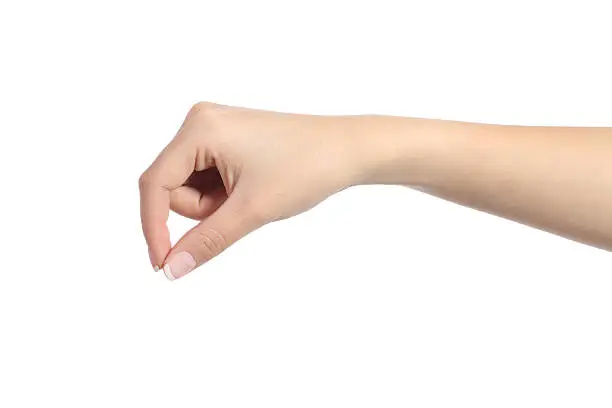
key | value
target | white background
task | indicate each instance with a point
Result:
(379, 297)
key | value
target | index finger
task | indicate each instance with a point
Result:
(169, 171)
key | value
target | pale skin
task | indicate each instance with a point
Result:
(237, 169)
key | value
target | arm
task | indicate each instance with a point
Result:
(237, 169)
(553, 178)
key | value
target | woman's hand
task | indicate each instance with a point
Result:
(235, 170)
(238, 169)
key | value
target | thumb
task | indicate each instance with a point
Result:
(230, 222)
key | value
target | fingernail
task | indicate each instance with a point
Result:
(179, 265)
(155, 266)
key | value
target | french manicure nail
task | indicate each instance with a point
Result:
(179, 265)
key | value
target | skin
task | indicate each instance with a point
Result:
(237, 169)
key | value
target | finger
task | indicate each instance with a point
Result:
(212, 236)
(153, 200)
(191, 203)
(169, 171)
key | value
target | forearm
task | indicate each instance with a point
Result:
(557, 179)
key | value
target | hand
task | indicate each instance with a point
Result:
(235, 170)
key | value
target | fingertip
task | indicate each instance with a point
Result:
(158, 251)
(179, 265)
(152, 260)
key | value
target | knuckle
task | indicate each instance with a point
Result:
(212, 243)
(212, 117)
(144, 180)
(204, 110)
(202, 106)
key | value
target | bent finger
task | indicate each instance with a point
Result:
(190, 203)
(169, 171)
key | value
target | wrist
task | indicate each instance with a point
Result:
(392, 150)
